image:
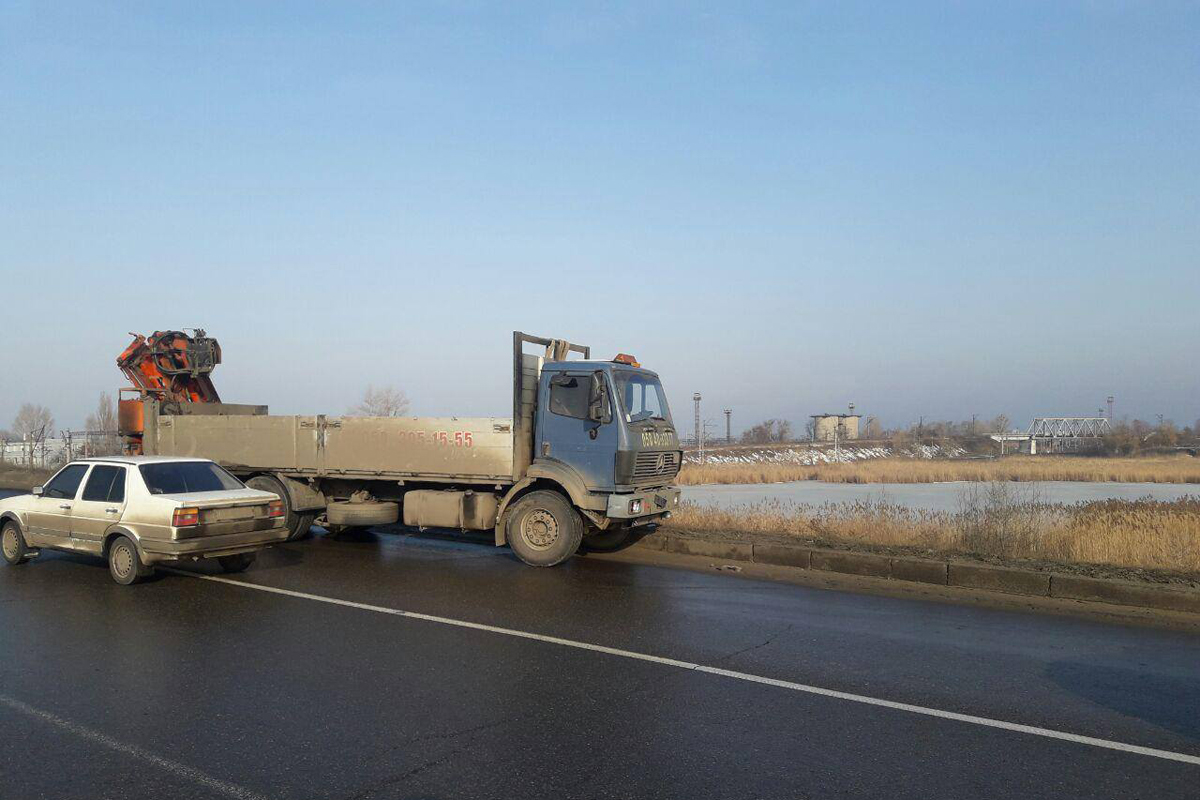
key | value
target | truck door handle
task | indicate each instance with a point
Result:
(111, 510)
(65, 506)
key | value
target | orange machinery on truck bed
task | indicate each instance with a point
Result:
(170, 366)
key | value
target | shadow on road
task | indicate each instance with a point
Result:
(1167, 701)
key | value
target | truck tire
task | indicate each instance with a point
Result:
(298, 522)
(543, 529)
(614, 538)
(362, 515)
(12, 544)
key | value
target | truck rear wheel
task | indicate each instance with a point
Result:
(543, 529)
(298, 522)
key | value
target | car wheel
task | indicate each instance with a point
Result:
(298, 522)
(543, 529)
(236, 563)
(124, 563)
(12, 544)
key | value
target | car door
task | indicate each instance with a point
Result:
(100, 505)
(50, 515)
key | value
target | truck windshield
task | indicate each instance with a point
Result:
(642, 397)
(187, 477)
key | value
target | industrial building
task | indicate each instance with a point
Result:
(835, 427)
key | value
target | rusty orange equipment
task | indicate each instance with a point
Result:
(170, 366)
(173, 366)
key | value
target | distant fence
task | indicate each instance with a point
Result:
(53, 451)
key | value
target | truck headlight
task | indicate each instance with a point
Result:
(635, 506)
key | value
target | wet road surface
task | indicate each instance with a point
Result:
(183, 687)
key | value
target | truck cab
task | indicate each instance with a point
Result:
(609, 423)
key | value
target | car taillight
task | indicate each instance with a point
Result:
(275, 508)
(185, 517)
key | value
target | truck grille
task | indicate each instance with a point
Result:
(664, 465)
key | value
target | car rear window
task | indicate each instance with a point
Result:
(187, 477)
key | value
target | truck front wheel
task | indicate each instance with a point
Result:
(615, 537)
(543, 529)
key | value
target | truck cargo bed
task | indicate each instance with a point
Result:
(464, 449)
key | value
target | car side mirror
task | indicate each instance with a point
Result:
(37, 491)
(599, 409)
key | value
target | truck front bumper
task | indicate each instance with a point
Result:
(643, 505)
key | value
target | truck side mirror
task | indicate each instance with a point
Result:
(599, 409)
(37, 491)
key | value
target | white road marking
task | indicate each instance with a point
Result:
(182, 770)
(725, 673)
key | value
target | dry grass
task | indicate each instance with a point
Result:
(994, 520)
(1162, 469)
(21, 478)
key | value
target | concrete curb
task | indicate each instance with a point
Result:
(1027, 582)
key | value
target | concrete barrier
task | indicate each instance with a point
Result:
(920, 570)
(849, 563)
(999, 579)
(782, 555)
(1124, 593)
(941, 573)
(729, 551)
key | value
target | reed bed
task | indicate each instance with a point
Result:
(1162, 469)
(996, 520)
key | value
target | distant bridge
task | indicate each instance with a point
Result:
(1058, 434)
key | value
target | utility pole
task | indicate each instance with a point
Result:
(699, 433)
(973, 416)
(728, 426)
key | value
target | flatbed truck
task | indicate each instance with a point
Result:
(589, 454)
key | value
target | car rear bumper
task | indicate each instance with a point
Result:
(158, 550)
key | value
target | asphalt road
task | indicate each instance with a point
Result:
(183, 687)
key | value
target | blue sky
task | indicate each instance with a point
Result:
(924, 209)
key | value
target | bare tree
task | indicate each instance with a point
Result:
(102, 428)
(1000, 424)
(33, 424)
(33, 420)
(386, 401)
(105, 419)
(768, 431)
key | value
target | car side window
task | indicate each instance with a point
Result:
(105, 484)
(569, 396)
(65, 484)
(117, 493)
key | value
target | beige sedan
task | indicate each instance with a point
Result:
(139, 511)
